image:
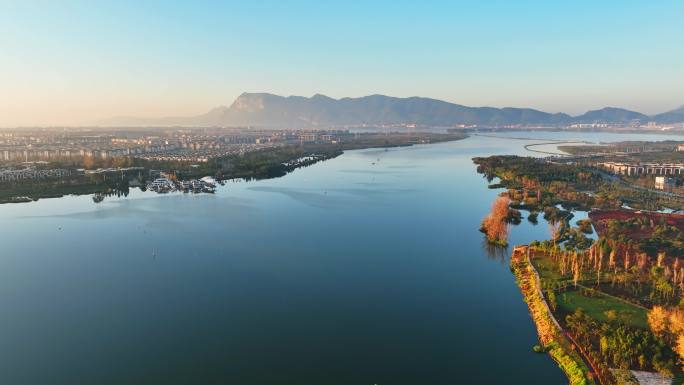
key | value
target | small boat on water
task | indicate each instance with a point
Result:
(161, 185)
(209, 181)
(164, 185)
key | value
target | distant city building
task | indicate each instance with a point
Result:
(31, 173)
(308, 137)
(589, 125)
(664, 182)
(643, 168)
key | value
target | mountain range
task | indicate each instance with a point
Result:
(268, 110)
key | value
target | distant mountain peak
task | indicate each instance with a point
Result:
(674, 116)
(610, 115)
(249, 102)
(321, 97)
(679, 110)
(269, 110)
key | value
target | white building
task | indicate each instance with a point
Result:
(643, 168)
(664, 182)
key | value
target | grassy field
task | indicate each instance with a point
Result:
(547, 269)
(599, 305)
(550, 276)
(596, 305)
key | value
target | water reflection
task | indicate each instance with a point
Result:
(496, 252)
(274, 281)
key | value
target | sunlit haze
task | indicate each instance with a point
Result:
(74, 62)
(342, 192)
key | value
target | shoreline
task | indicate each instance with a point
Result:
(551, 335)
(561, 153)
(266, 167)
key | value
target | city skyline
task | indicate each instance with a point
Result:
(75, 62)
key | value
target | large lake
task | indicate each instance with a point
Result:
(364, 269)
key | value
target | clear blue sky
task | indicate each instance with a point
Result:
(65, 62)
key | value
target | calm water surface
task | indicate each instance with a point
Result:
(365, 269)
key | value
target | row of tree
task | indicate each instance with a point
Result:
(668, 324)
(622, 265)
(619, 346)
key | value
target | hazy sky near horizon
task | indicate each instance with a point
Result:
(70, 62)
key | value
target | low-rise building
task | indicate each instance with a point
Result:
(10, 175)
(633, 169)
(664, 182)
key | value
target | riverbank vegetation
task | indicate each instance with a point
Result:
(536, 184)
(115, 178)
(603, 291)
(607, 308)
(651, 233)
(632, 148)
(616, 295)
(495, 224)
(106, 184)
(550, 334)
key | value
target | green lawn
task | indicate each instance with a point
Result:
(596, 307)
(548, 269)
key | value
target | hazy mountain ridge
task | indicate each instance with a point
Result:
(674, 116)
(268, 110)
(611, 115)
